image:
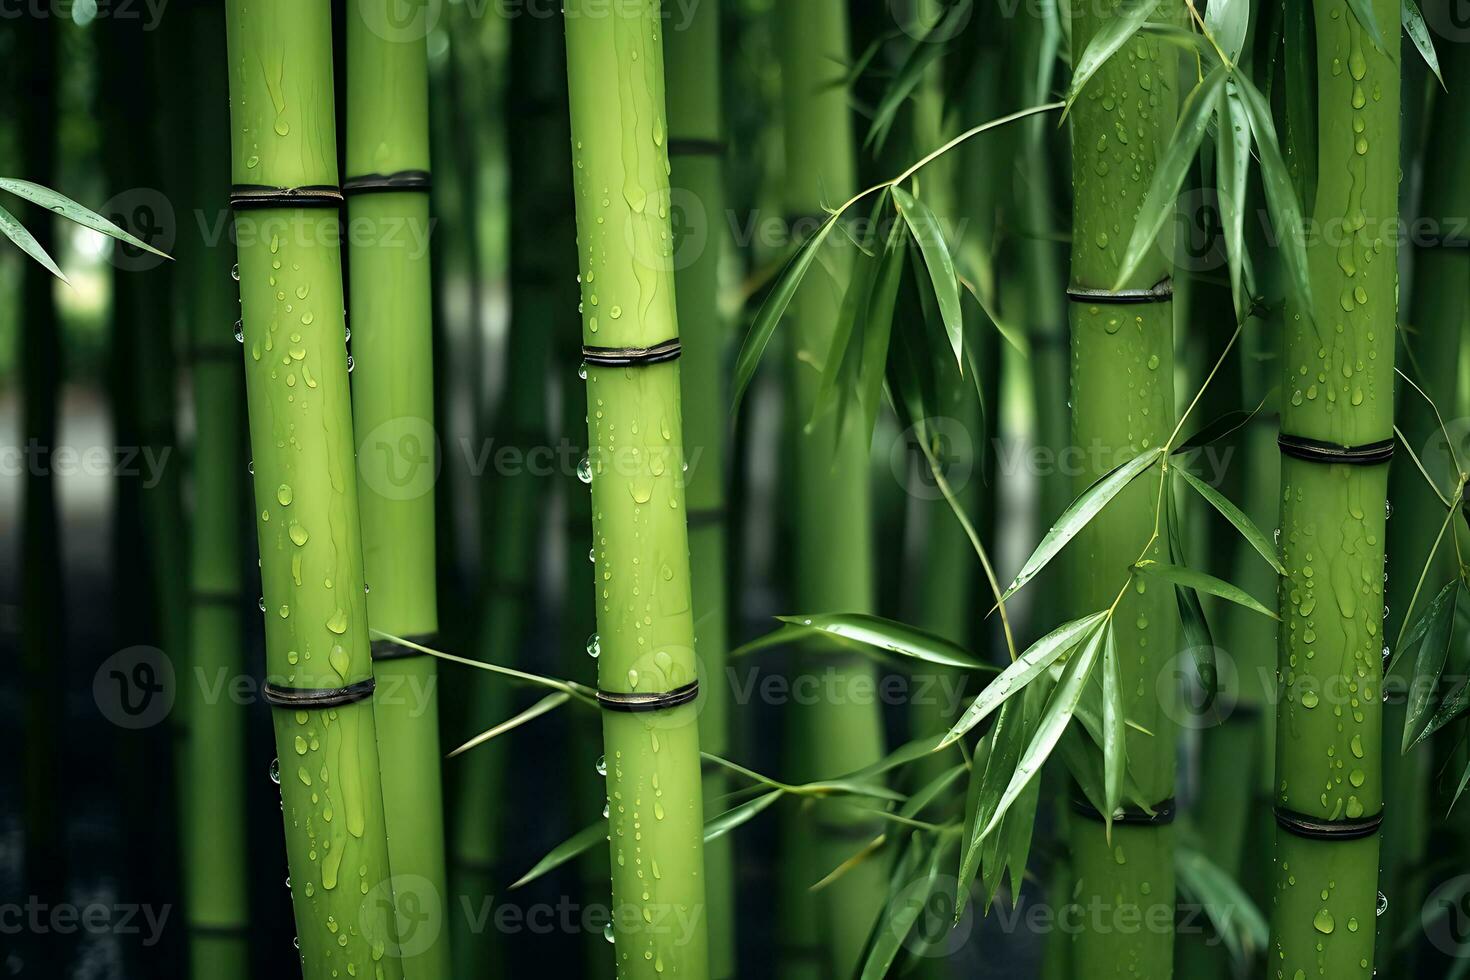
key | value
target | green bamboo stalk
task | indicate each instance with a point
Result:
(644, 615)
(1337, 386)
(833, 547)
(1439, 313)
(1123, 404)
(393, 415)
(213, 827)
(284, 136)
(696, 153)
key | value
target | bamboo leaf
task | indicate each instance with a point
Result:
(16, 232)
(1163, 191)
(1236, 517)
(578, 844)
(774, 307)
(1006, 741)
(1452, 707)
(1227, 21)
(1080, 513)
(840, 370)
(886, 634)
(734, 817)
(1421, 625)
(1368, 20)
(1202, 582)
(924, 225)
(581, 692)
(1037, 658)
(1232, 168)
(1115, 762)
(1054, 720)
(72, 211)
(878, 329)
(781, 635)
(912, 883)
(1217, 429)
(921, 56)
(1281, 198)
(549, 703)
(1121, 25)
(1235, 918)
(1418, 32)
(1429, 665)
(1192, 621)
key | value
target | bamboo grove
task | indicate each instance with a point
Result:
(726, 488)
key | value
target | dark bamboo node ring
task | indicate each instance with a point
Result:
(693, 147)
(279, 696)
(246, 197)
(402, 180)
(666, 350)
(1160, 292)
(634, 702)
(386, 649)
(1319, 828)
(1129, 816)
(1317, 451)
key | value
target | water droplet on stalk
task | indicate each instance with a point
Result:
(601, 766)
(239, 332)
(584, 469)
(275, 771)
(594, 646)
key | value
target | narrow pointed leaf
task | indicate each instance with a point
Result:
(1054, 720)
(1247, 528)
(16, 232)
(549, 703)
(1079, 514)
(924, 225)
(1163, 193)
(1418, 32)
(1281, 198)
(1192, 621)
(1232, 169)
(886, 634)
(1202, 582)
(1227, 21)
(1121, 25)
(1007, 740)
(1114, 730)
(1421, 625)
(71, 210)
(732, 818)
(1429, 667)
(1368, 20)
(578, 844)
(774, 307)
(1037, 658)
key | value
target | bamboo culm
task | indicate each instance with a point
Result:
(305, 482)
(696, 156)
(393, 418)
(1122, 396)
(832, 523)
(1337, 387)
(645, 618)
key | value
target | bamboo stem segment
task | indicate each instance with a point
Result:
(387, 197)
(635, 437)
(313, 596)
(1337, 393)
(1121, 124)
